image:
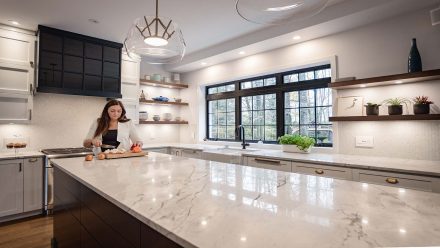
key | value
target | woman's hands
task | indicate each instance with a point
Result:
(96, 142)
(138, 143)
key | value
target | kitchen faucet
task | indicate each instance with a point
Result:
(240, 130)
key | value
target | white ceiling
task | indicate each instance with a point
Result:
(212, 29)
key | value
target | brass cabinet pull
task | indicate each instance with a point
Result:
(33, 160)
(319, 171)
(392, 180)
(268, 161)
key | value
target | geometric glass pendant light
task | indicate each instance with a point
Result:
(278, 11)
(158, 40)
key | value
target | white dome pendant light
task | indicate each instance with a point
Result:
(158, 40)
(276, 12)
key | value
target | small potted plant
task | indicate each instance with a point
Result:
(296, 143)
(421, 105)
(372, 108)
(395, 105)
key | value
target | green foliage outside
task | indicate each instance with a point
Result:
(302, 142)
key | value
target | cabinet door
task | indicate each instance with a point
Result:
(132, 109)
(17, 51)
(15, 108)
(11, 187)
(176, 152)
(33, 184)
(130, 68)
(268, 163)
(189, 153)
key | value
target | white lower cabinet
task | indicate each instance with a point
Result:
(21, 186)
(424, 183)
(223, 158)
(190, 153)
(269, 163)
(322, 170)
(11, 187)
(164, 150)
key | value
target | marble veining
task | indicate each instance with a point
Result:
(200, 203)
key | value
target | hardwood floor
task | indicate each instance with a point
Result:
(34, 232)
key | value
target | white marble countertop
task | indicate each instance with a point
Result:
(200, 203)
(420, 167)
(20, 154)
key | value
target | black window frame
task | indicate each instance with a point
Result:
(278, 89)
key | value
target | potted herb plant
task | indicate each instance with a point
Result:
(296, 143)
(372, 108)
(395, 105)
(421, 105)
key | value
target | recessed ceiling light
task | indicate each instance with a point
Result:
(296, 37)
(203, 63)
(14, 22)
(242, 52)
(93, 21)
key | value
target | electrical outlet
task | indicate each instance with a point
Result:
(364, 141)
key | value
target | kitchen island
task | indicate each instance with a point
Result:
(187, 202)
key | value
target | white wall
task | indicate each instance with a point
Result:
(374, 50)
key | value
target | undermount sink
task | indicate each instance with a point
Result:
(232, 150)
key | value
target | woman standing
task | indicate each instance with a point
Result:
(113, 128)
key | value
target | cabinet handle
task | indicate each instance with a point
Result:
(19, 167)
(268, 161)
(319, 171)
(392, 180)
(32, 160)
(32, 64)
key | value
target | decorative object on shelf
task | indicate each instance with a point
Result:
(421, 105)
(296, 143)
(158, 39)
(414, 59)
(176, 77)
(142, 95)
(350, 106)
(395, 105)
(156, 77)
(167, 116)
(178, 118)
(147, 77)
(143, 115)
(372, 108)
(156, 118)
(161, 99)
(178, 99)
(167, 79)
(280, 12)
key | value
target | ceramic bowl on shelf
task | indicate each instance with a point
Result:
(156, 77)
(143, 115)
(161, 99)
(178, 118)
(156, 118)
(167, 117)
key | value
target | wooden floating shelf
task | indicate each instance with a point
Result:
(413, 77)
(162, 103)
(163, 84)
(386, 118)
(163, 122)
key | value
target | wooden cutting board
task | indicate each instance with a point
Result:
(125, 155)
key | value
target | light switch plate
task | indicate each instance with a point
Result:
(364, 141)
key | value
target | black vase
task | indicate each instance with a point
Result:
(414, 59)
(372, 110)
(395, 109)
(421, 109)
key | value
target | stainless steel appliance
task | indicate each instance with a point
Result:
(48, 171)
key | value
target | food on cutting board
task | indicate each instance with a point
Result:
(116, 151)
(89, 157)
(136, 148)
(10, 145)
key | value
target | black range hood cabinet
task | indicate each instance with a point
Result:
(75, 64)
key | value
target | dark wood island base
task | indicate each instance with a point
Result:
(82, 218)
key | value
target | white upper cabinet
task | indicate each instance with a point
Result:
(17, 60)
(130, 75)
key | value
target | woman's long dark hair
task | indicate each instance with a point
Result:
(104, 120)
